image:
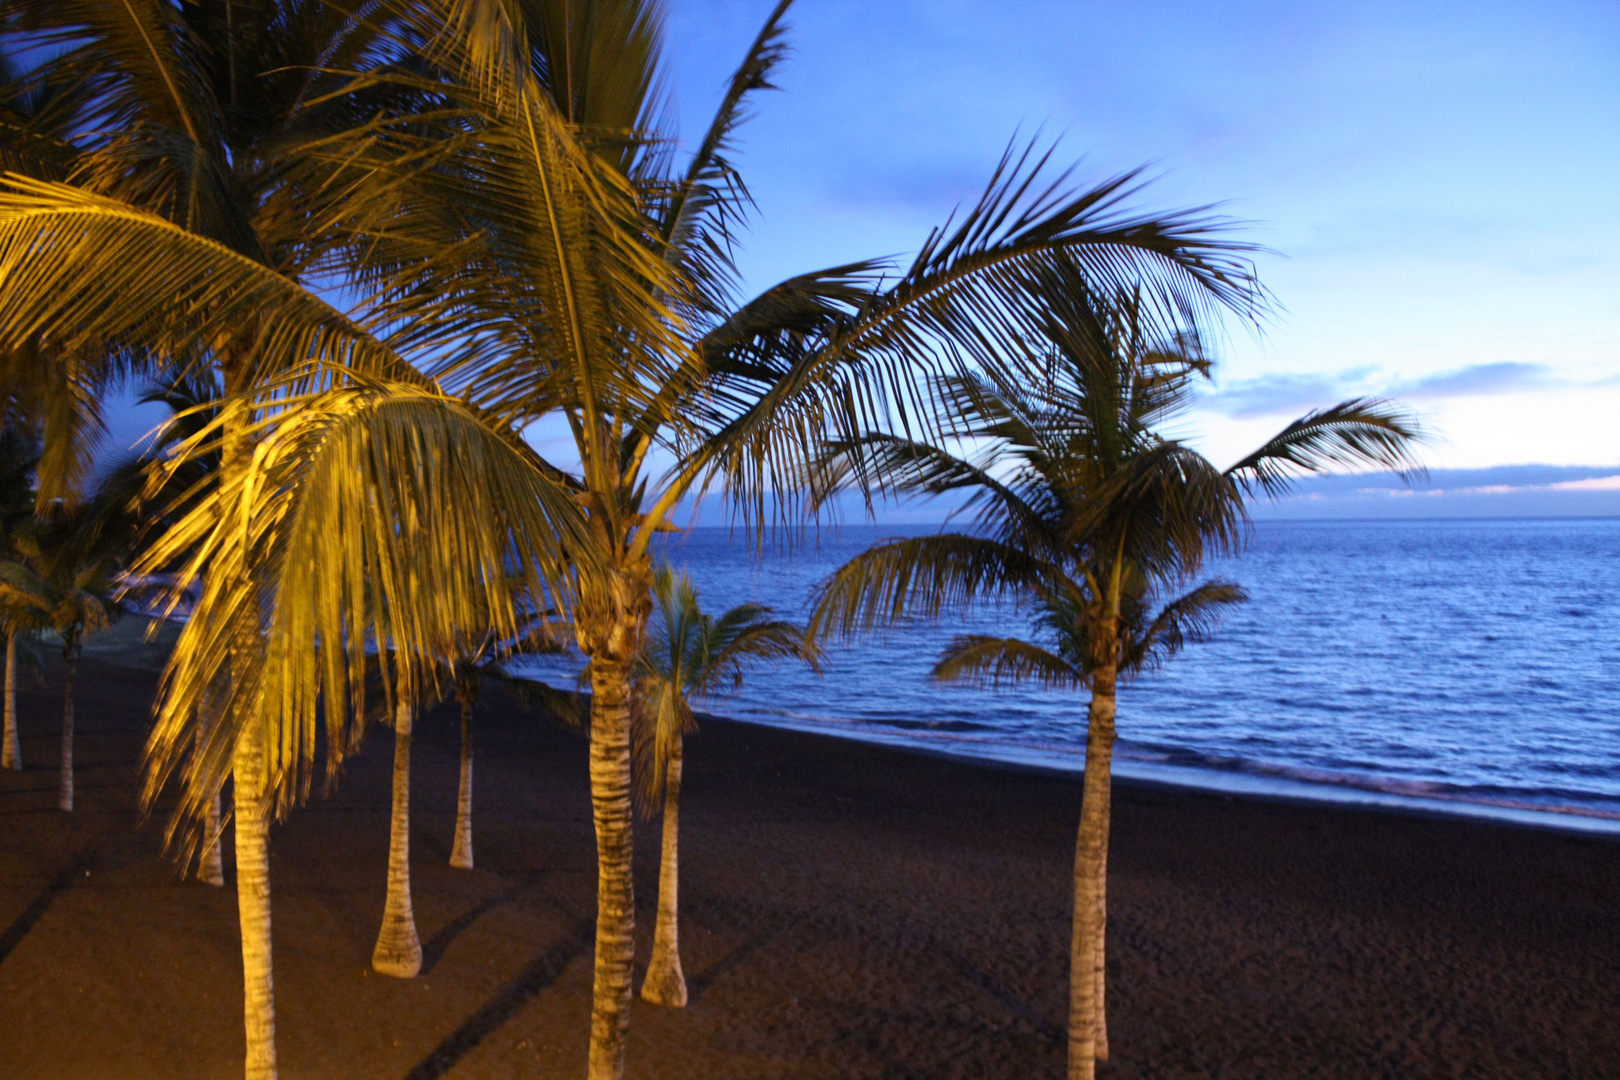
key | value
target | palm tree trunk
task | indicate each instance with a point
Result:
(665, 984)
(461, 852)
(1086, 990)
(253, 901)
(399, 950)
(64, 798)
(250, 791)
(211, 863)
(615, 889)
(11, 754)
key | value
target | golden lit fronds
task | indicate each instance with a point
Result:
(559, 274)
(78, 270)
(376, 526)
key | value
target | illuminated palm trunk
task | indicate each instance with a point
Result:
(399, 951)
(70, 658)
(665, 984)
(252, 814)
(1087, 1036)
(11, 752)
(615, 846)
(461, 852)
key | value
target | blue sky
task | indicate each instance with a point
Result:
(1438, 181)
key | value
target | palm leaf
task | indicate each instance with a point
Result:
(1190, 618)
(380, 516)
(922, 577)
(1360, 431)
(990, 662)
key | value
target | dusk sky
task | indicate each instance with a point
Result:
(1438, 181)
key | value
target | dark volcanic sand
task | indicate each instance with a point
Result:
(846, 912)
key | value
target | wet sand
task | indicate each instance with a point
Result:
(848, 911)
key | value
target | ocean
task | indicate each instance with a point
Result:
(1468, 667)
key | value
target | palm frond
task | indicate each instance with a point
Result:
(1357, 432)
(992, 662)
(80, 269)
(975, 299)
(920, 578)
(1189, 618)
(707, 207)
(376, 519)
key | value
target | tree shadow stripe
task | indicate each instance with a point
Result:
(540, 973)
(23, 923)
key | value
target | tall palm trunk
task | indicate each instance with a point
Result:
(250, 786)
(615, 846)
(610, 624)
(1088, 1039)
(461, 852)
(665, 984)
(399, 950)
(252, 812)
(70, 658)
(11, 752)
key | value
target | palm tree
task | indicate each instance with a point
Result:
(67, 580)
(18, 456)
(1082, 509)
(685, 656)
(535, 242)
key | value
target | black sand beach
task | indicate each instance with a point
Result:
(848, 912)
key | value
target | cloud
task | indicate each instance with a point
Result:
(1505, 377)
(1273, 394)
(1270, 394)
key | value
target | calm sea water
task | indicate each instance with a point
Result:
(1471, 664)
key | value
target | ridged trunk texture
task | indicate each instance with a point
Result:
(211, 863)
(615, 890)
(399, 950)
(665, 983)
(1087, 1037)
(461, 851)
(253, 902)
(64, 796)
(11, 752)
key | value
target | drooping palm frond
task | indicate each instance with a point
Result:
(1192, 617)
(379, 518)
(973, 300)
(921, 578)
(991, 662)
(1163, 507)
(1360, 431)
(85, 270)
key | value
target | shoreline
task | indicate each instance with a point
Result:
(1236, 783)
